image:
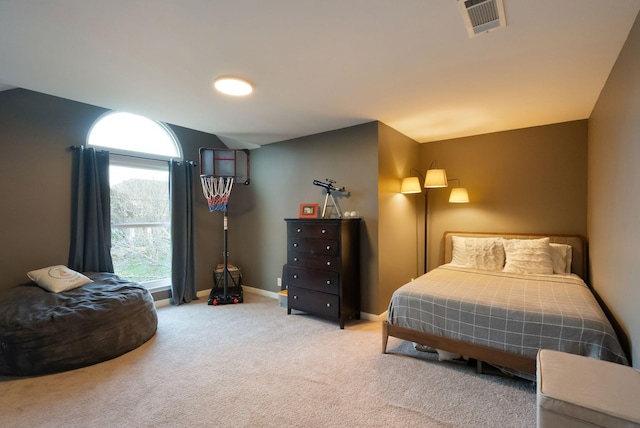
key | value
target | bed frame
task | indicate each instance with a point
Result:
(482, 353)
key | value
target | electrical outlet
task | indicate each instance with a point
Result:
(279, 282)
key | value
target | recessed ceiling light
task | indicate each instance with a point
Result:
(233, 86)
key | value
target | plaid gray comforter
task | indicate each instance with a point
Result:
(512, 312)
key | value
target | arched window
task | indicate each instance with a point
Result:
(139, 149)
(127, 133)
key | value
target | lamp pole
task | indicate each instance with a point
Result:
(433, 179)
(426, 222)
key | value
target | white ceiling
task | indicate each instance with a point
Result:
(318, 65)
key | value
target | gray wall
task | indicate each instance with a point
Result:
(282, 177)
(369, 160)
(35, 179)
(35, 183)
(614, 182)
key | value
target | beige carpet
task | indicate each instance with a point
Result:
(253, 365)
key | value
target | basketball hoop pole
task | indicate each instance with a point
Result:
(227, 296)
(219, 169)
(225, 255)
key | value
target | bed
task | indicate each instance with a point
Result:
(43, 331)
(502, 308)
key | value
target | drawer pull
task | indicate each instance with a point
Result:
(295, 259)
(328, 263)
(328, 247)
(324, 231)
(328, 305)
(295, 276)
(328, 282)
(295, 244)
(299, 230)
(295, 297)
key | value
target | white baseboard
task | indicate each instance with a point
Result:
(261, 292)
(382, 316)
(162, 303)
(205, 294)
(272, 294)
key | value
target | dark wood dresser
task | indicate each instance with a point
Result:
(322, 275)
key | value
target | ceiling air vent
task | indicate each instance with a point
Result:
(481, 16)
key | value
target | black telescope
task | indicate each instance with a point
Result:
(329, 185)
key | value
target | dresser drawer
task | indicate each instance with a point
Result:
(327, 247)
(313, 261)
(313, 230)
(313, 279)
(316, 302)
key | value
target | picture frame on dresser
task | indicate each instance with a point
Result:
(308, 211)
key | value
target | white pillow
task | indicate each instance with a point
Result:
(458, 251)
(484, 253)
(58, 278)
(561, 257)
(528, 256)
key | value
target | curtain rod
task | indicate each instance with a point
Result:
(71, 148)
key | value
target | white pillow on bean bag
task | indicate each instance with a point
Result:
(58, 278)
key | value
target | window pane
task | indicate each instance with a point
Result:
(126, 132)
(140, 217)
(139, 195)
(141, 254)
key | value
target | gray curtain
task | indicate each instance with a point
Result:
(90, 247)
(183, 283)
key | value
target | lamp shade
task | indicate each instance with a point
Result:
(435, 178)
(459, 195)
(410, 185)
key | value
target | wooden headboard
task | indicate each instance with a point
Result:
(577, 242)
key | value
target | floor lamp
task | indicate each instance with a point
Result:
(434, 178)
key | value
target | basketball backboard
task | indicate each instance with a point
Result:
(225, 163)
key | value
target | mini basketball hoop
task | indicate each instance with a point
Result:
(219, 170)
(217, 191)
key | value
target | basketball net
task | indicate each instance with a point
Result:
(217, 191)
